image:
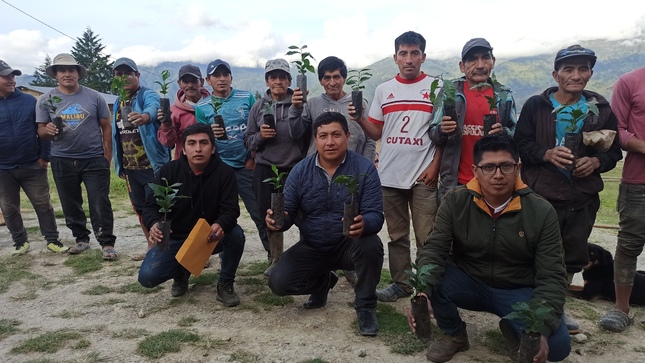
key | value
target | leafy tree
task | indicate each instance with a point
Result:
(40, 76)
(258, 95)
(88, 51)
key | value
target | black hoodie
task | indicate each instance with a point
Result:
(213, 196)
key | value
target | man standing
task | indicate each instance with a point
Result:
(235, 108)
(23, 164)
(81, 154)
(212, 194)
(628, 103)
(400, 116)
(495, 243)
(570, 183)
(457, 137)
(315, 203)
(138, 154)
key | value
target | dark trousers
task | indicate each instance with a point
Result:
(137, 184)
(161, 266)
(244, 178)
(575, 228)
(304, 269)
(263, 193)
(94, 173)
(459, 290)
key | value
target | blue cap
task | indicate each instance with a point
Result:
(125, 62)
(575, 51)
(212, 66)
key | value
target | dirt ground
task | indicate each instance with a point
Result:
(115, 322)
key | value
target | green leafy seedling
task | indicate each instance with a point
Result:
(531, 315)
(418, 276)
(499, 95)
(166, 196)
(278, 179)
(351, 181)
(164, 84)
(50, 104)
(303, 64)
(118, 87)
(357, 78)
(217, 104)
(576, 114)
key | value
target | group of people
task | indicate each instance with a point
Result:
(502, 212)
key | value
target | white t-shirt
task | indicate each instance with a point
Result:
(404, 109)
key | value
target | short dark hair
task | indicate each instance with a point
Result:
(410, 38)
(331, 64)
(497, 142)
(328, 117)
(198, 128)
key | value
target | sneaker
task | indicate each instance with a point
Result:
(572, 325)
(512, 340)
(444, 349)
(20, 249)
(57, 247)
(392, 293)
(180, 283)
(226, 294)
(319, 299)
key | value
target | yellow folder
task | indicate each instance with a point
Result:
(196, 250)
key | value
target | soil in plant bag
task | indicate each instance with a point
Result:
(350, 212)
(125, 111)
(219, 121)
(277, 206)
(301, 82)
(58, 122)
(165, 106)
(164, 227)
(269, 120)
(572, 142)
(357, 101)
(450, 111)
(529, 347)
(489, 121)
(421, 315)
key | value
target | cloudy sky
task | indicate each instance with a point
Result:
(247, 33)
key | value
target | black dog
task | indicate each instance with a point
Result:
(598, 278)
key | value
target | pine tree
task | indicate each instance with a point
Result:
(88, 52)
(40, 76)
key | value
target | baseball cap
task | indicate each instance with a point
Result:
(475, 43)
(5, 70)
(65, 59)
(574, 51)
(212, 66)
(190, 69)
(277, 64)
(125, 62)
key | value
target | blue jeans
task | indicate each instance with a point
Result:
(161, 266)
(244, 179)
(94, 173)
(32, 178)
(459, 290)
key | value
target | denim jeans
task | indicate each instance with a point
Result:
(304, 269)
(32, 178)
(94, 173)
(161, 266)
(398, 204)
(244, 179)
(459, 290)
(631, 236)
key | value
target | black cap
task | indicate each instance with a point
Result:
(190, 69)
(475, 43)
(574, 51)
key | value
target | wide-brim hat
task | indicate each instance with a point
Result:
(65, 59)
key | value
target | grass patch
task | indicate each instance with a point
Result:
(93, 357)
(583, 309)
(386, 278)
(42, 360)
(243, 356)
(88, 261)
(114, 301)
(395, 332)
(607, 212)
(270, 299)
(205, 279)
(129, 334)
(97, 290)
(32, 230)
(137, 288)
(8, 327)
(49, 342)
(158, 345)
(253, 269)
(82, 344)
(67, 314)
(253, 281)
(315, 360)
(13, 269)
(28, 295)
(495, 341)
(187, 321)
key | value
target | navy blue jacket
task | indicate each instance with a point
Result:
(19, 141)
(315, 204)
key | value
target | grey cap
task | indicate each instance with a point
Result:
(65, 59)
(212, 66)
(5, 70)
(191, 70)
(277, 64)
(475, 43)
(574, 51)
(125, 62)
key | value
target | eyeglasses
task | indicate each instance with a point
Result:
(490, 169)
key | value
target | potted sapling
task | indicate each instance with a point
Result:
(532, 316)
(269, 114)
(355, 80)
(303, 65)
(125, 101)
(50, 104)
(166, 197)
(219, 120)
(164, 102)
(419, 303)
(491, 118)
(574, 115)
(448, 99)
(350, 210)
(277, 197)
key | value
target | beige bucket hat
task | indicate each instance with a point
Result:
(65, 59)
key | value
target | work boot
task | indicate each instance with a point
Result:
(444, 349)
(226, 294)
(367, 323)
(512, 340)
(319, 298)
(180, 283)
